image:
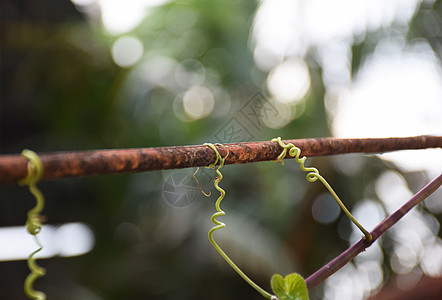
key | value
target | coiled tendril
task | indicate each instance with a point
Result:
(34, 222)
(314, 175)
(220, 225)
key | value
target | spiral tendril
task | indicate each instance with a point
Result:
(36, 272)
(34, 221)
(220, 225)
(313, 175)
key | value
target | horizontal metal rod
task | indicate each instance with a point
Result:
(96, 162)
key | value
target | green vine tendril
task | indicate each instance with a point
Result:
(220, 225)
(313, 175)
(34, 221)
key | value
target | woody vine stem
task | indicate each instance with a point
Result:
(346, 256)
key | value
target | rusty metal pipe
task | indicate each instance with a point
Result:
(96, 162)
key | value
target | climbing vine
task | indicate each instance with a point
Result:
(34, 222)
(313, 175)
(292, 286)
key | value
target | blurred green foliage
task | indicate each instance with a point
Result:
(61, 90)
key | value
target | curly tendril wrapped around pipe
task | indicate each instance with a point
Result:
(34, 222)
(220, 225)
(313, 175)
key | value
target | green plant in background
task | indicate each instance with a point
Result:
(34, 222)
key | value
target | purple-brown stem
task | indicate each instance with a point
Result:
(346, 256)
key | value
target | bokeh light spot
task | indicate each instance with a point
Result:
(122, 16)
(284, 113)
(369, 213)
(325, 210)
(289, 81)
(198, 102)
(127, 51)
(157, 70)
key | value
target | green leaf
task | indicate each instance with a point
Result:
(277, 283)
(292, 287)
